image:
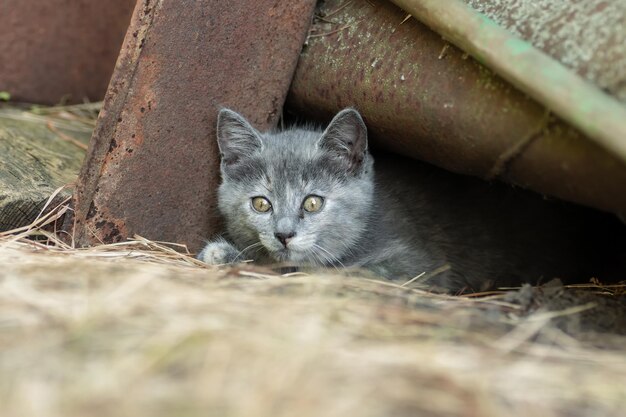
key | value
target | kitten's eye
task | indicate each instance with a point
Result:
(313, 203)
(261, 204)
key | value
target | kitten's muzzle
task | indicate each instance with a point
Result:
(284, 238)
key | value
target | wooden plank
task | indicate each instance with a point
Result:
(37, 156)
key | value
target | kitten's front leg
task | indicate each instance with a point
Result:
(219, 251)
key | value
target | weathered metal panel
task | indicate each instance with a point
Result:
(587, 36)
(60, 50)
(153, 165)
(575, 100)
(424, 98)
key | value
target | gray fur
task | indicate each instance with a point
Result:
(406, 220)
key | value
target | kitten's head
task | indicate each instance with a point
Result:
(300, 195)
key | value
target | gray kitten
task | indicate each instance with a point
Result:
(311, 198)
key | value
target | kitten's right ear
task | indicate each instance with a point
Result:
(346, 139)
(236, 138)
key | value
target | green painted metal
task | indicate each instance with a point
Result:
(599, 116)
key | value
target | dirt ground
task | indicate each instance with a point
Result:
(136, 329)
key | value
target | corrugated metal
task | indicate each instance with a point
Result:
(424, 98)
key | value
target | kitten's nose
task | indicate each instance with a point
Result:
(284, 238)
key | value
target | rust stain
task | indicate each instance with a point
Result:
(103, 227)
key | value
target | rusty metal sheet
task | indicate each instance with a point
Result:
(60, 50)
(153, 166)
(424, 98)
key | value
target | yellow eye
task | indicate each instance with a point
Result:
(261, 204)
(313, 203)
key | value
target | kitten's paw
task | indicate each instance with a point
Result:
(218, 252)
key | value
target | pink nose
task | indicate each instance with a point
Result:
(284, 238)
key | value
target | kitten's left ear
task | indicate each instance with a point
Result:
(346, 138)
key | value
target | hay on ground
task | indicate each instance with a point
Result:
(138, 329)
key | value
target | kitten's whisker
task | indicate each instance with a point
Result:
(332, 258)
(321, 259)
(314, 258)
(350, 247)
(254, 245)
(258, 248)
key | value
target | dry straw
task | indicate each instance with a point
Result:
(140, 328)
